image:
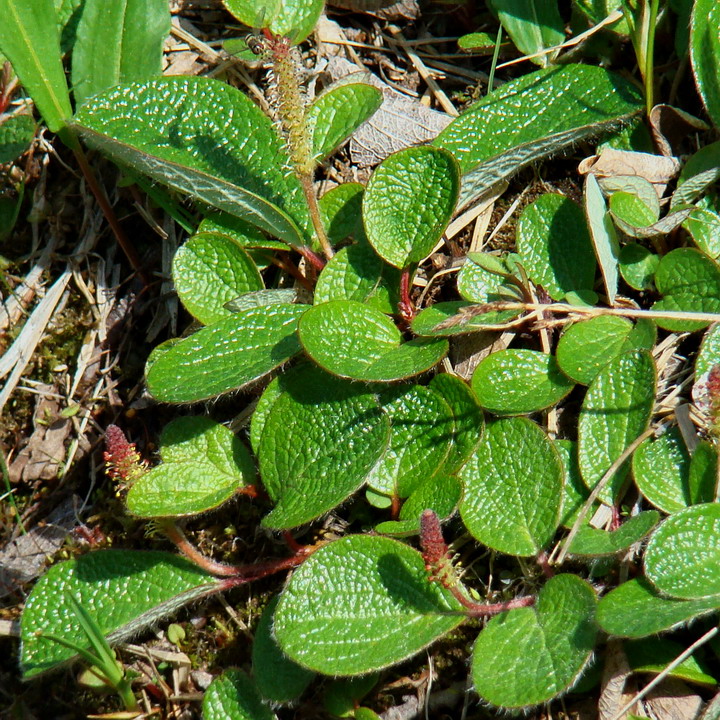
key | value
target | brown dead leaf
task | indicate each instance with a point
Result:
(616, 672)
(670, 126)
(392, 10)
(399, 123)
(674, 700)
(656, 169)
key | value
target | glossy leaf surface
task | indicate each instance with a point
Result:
(125, 591)
(528, 655)
(704, 53)
(226, 355)
(294, 18)
(593, 542)
(366, 603)
(234, 696)
(513, 488)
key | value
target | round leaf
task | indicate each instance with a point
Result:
(513, 488)
(294, 18)
(210, 270)
(234, 696)
(351, 340)
(529, 655)
(638, 266)
(409, 202)
(203, 466)
(683, 556)
(518, 382)
(361, 604)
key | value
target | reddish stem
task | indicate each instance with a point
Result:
(542, 561)
(406, 306)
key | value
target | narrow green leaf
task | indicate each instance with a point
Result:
(294, 18)
(234, 696)
(16, 134)
(351, 340)
(533, 117)
(636, 609)
(409, 202)
(594, 543)
(519, 382)
(203, 137)
(587, 346)
(555, 247)
(226, 355)
(203, 466)
(704, 54)
(421, 433)
(124, 591)
(335, 115)
(529, 655)
(321, 438)
(689, 281)
(118, 42)
(661, 470)
(29, 38)
(278, 678)
(683, 556)
(616, 410)
(513, 488)
(533, 25)
(604, 237)
(361, 604)
(209, 271)
(468, 415)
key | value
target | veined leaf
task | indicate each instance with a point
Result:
(205, 138)
(294, 18)
(124, 591)
(704, 53)
(234, 696)
(594, 543)
(118, 42)
(533, 117)
(366, 603)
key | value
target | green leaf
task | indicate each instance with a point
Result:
(700, 171)
(593, 542)
(29, 38)
(335, 115)
(239, 231)
(655, 654)
(278, 678)
(704, 227)
(444, 319)
(533, 26)
(603, 235)
(234, 696)
(205, 138)
(709, 353)
(640, 188)
(574, 491)
(518, 382)
(682, 558)
(358, 273)
(261, 298)
(482, 280)
(661, 468)
(203, 466)
(529, 655)
(533, 117)
(616, 410)
(343, 695)
(421, 433)
(124, 591)
(320, 440)
(440, 493)
(638, 266)
(555, 247)
(636, 610)
(629, 210)
(703, 479)
(16, 134)
(513, 488)
(409, 202)
(362, 603)
(293, 18)
(226, 355)
(704, 54)
(118, 42)
(341, 211)
(355, 341)
(468, 415)
(689, 281)
(68, 16)
(209, 271)
(587, 346)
